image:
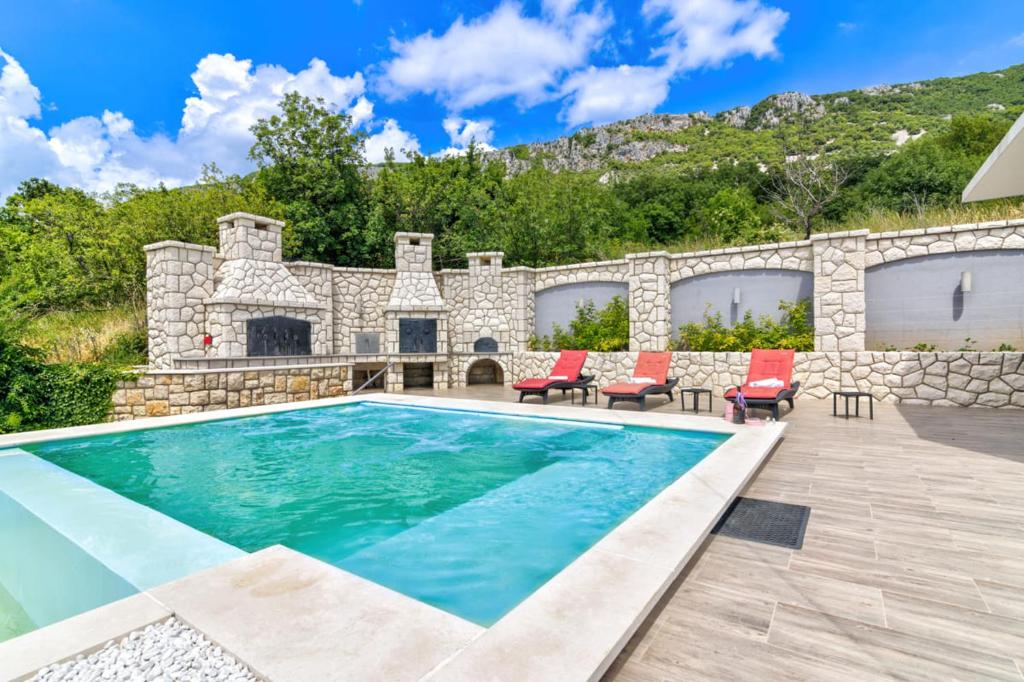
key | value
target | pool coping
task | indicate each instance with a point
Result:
(573, 626)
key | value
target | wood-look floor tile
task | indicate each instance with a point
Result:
(1005, 600)
(722, 545)
(889, 652)
(977, 630)
(759, 581)
(710, 606)
(705, 654)
(948, 587)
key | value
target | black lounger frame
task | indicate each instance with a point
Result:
(784, 395)
(641, 397)
(582, 383)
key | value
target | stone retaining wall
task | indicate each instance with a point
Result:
(964, 379)
(156, 394)
(200, 298)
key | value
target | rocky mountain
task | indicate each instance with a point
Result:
(874, 119)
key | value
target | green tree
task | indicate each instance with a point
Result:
(733, 215)
(311, 161)
(933, 171)
(544, 218)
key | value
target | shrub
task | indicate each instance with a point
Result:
(793, 330)
(37, 395)
(520, 151)
(585, 138)
(603, 330)
(127, 348)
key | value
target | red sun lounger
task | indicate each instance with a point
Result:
(764, 366)
(565, 375)
(650, 377)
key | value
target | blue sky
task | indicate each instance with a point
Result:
(94, 92)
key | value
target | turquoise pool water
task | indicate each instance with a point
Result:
(470, 512)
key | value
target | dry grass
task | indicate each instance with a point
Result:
(879, 220)
(80, 335)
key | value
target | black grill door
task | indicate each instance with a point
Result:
(417, 336)
(277, 335)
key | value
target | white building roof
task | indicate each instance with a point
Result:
(1002, 174)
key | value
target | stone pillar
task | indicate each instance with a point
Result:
(522, 313)
(839, 319)
(179, 277)
(649, 312)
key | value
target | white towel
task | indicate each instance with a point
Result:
(556, 377)
(642, 380)
(767, 383)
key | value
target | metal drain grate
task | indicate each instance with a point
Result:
(773, 523)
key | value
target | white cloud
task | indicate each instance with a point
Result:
(695, 33)
(97, 153)
(24, 151)
(559, 8)
(392, 137)
(462, 131)
(361, 112)
(1016, 41)
(601, 95)
(703, 33)
(501, 54)
(18, 97)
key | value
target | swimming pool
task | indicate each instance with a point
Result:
(468, 511)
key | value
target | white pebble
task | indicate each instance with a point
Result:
(163, 652)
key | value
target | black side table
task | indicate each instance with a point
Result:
(856, 395)
(696, 392)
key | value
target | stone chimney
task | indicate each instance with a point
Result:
(413, 251)
(244, 235)
(415, 288)
(485, 328)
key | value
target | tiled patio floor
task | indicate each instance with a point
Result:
(912, 567)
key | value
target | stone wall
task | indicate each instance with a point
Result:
(964, 379)
(157, 394)
(360, 295)
(196, 290)
(782, 256)
(179, 277)
(888, 247)
(600, 271)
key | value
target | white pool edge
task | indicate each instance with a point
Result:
(574, 626)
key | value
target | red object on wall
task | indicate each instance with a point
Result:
(207, 340)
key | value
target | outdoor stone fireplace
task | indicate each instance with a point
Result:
(239, 301)
(416, 317)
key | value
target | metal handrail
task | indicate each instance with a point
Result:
(374, 377)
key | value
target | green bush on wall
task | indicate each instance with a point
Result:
(37, 395)
(793, 330)
(603, 330)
